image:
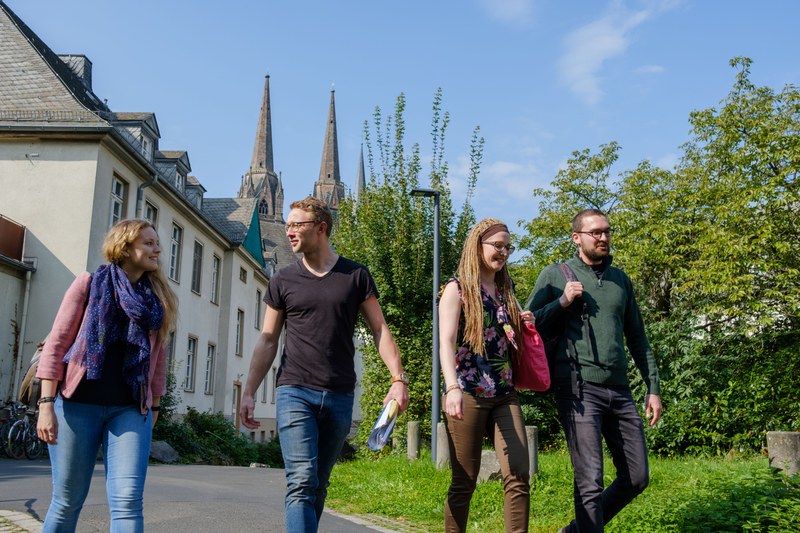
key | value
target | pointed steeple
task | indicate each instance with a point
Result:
(261, 179)
(262, 150)
(329, 187)
(361, 182)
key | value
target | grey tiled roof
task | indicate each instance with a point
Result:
(132, 115)
(36, 86)
(273, 234)
(170, 154)
(231, 216)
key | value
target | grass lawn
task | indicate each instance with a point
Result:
(685, 495)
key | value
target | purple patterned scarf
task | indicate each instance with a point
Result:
(118, 312)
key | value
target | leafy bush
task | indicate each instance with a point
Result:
(209, 438)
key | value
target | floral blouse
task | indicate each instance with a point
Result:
(488, 375)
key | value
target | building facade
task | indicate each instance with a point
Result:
(70, 168)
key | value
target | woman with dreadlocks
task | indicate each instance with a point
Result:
(478, 318)
(103, 371)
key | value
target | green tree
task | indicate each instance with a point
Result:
(585, 182)
(391, 232)
(712, 247)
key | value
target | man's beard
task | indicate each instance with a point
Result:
(596, 254)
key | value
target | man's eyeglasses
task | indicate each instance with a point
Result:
(294, 226)
(597, 234)
(500, 246)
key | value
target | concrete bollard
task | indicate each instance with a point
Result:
(442, 447)
(532, 432)
(413, 440)
(784, 451)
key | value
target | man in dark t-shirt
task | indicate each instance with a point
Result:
(318, 300)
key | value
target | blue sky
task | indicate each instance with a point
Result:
(542, 78)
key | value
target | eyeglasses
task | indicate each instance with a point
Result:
(294, 226)
(500, 246)
(596, 234)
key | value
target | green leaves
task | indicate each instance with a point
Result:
(392, 233)
(713, 248)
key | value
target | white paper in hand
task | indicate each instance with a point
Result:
(384, 426)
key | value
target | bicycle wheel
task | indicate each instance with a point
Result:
(34, 446)
(16, 440)
(4, 437)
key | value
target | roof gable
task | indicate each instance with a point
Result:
(35, 84)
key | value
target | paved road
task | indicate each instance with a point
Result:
(177, 499)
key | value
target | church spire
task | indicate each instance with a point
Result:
(329, 187)
(262, 150)
(261, 180)
(361, 182)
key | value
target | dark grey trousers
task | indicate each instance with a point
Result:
(595, 413)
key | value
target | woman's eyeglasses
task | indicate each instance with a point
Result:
(500, 246)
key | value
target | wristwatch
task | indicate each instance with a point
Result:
(402, 377)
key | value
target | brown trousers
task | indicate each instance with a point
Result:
(501, 420)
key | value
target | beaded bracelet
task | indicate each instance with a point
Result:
(451, 387)
(45, 399)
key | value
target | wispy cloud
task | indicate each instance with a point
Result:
(503, 189)
(650, 69)
(517, 12)
(590, 46)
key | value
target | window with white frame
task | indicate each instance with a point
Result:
(209, 381)
(197, 267)
(274, 385)
(175, 252)
(147, 150)
(239, 332)
(264, 387)
(118, 190)
(243, 275)
(216, 262)
(151, 213)
(257, 323)
(191, 360)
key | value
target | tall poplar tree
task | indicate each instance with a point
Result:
(391, 232)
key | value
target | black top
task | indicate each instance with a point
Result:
(111, 388)
(320, 316)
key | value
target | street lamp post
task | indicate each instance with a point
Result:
(435, 398)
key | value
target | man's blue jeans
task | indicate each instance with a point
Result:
(125, 435)
(312, 426)
(602, 412)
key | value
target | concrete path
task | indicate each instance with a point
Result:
(177, 499)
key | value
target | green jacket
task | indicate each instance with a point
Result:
(613, 313)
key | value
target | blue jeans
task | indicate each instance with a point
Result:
(600, 412)
(125, 435)
(312, 426)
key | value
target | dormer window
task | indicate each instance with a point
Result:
(147, 150)
(180, 181)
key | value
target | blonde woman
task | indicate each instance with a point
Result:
(478, 318)
(103, 372)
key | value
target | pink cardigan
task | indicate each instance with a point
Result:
(65, 329)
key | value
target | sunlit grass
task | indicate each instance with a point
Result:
(685, 495)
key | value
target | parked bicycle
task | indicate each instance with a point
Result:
(9, 414)
(21, 439)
